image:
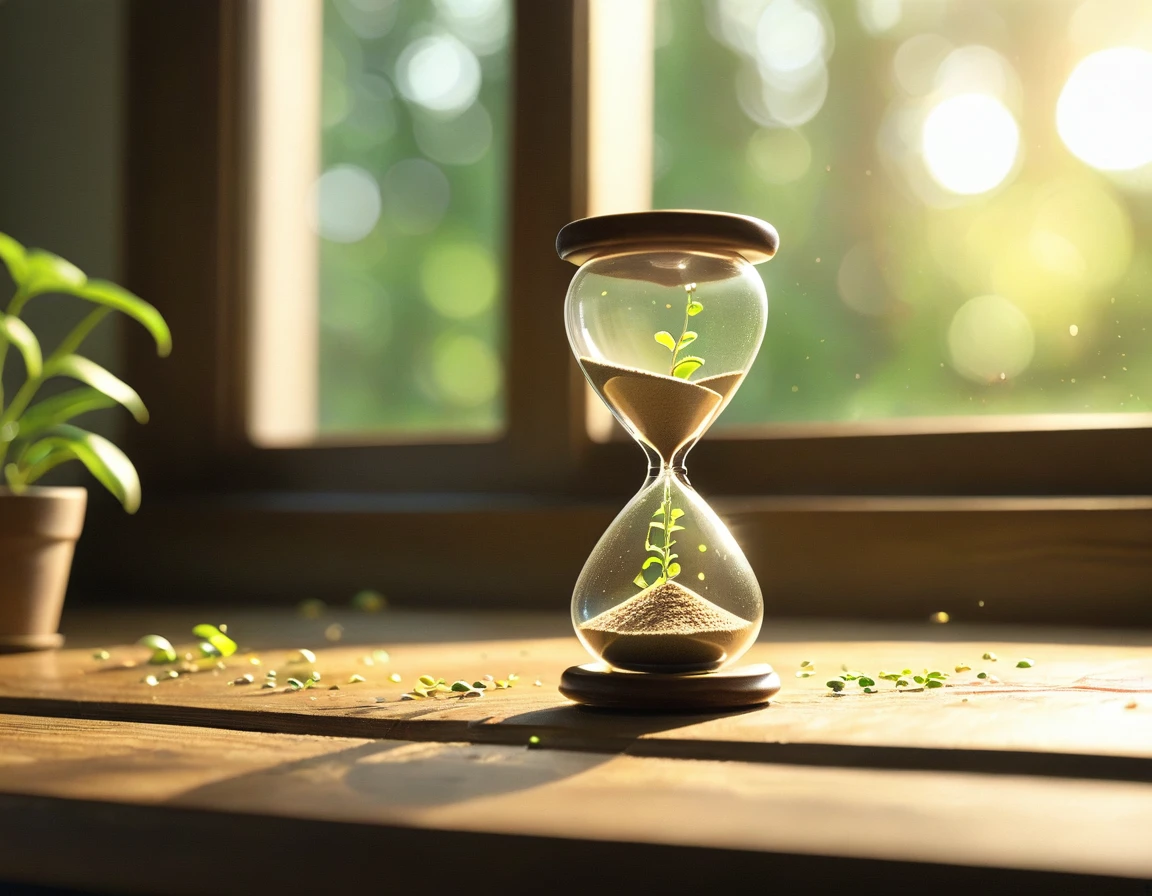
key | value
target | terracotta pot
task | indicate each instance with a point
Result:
(38, 532)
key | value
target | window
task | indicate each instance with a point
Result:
(962, 192)
(380, 218)
(851, 496)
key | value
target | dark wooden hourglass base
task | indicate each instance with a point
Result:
(595, 684)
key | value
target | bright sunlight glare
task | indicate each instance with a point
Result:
(970, 143)
(1104, 114)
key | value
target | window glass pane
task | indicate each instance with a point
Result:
(410, 210)
(963, 192)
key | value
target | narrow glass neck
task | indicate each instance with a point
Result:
(658, 467)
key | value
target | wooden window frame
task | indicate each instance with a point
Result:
(1039, 517)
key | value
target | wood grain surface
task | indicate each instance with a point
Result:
(245, 779)
(1083, 710)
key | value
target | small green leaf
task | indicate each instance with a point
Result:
(694, 308)
(162, 650)
(652, 561)
(1024, 664)
(836, 685)
(901, 683)
(689, 336)
(480, 685)
(103, 459)
(687, 367)
(935, 675)
(933, 683)
(14, 257)
(989, 656)
(865, 682)
(47, 272)
(103, 292)
(672, 529)
(461, 686)
(673, 570)
(62, 408)
(295, 683)
(17, 332)
(981, 674)
(212, 635)
(676, 514)
(963, 667)
(656, 525)
(919, 679)
(666, 340)
(92, 374)
(640, 581)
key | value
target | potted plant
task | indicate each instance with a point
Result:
(39, 525)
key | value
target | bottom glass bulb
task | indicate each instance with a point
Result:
(667, 589)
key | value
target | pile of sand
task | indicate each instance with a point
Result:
(666, 628)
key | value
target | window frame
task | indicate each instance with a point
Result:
(548, 486)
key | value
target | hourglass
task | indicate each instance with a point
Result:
(665, 316)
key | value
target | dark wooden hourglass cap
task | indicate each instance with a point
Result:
(681, 229)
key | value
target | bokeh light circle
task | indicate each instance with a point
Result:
(1104, 114)
(439, 73)
(990, 340)
(970, 143)
(345, 204)
(465, 369)
(459, 279)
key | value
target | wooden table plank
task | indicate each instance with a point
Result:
(950, 819)
(1074, 703)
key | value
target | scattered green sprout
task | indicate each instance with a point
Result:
(836, 685)
(686, 366)
(37, 438)
(665, 520)
(1024, 663)
(461, 686)
(369, 601)
(963, 667)
(981, 674)
(161, 647)
(989, 656)
(295, 683)
(218, 642)
(101, 655)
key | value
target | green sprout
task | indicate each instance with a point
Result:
(213, 641)
(665, 520)
(162, 650)
(686, 366)
(1024, 664)
(37, 438)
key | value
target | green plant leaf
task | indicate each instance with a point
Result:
(640, 581)
(675, 529)
(103, 292)
(224, 645)
(673, 570)
(651, 561)
(62, 408)
(666, 340)
(687, 367)
(161, 647)
(694, 308)
(92, 374)
(47, 272)
(677, 513)
(659, 511)
(656, 525)
(17, 332)
(689, 336)
(14, 257)
(103, 459)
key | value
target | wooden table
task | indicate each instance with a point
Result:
(108, 783)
